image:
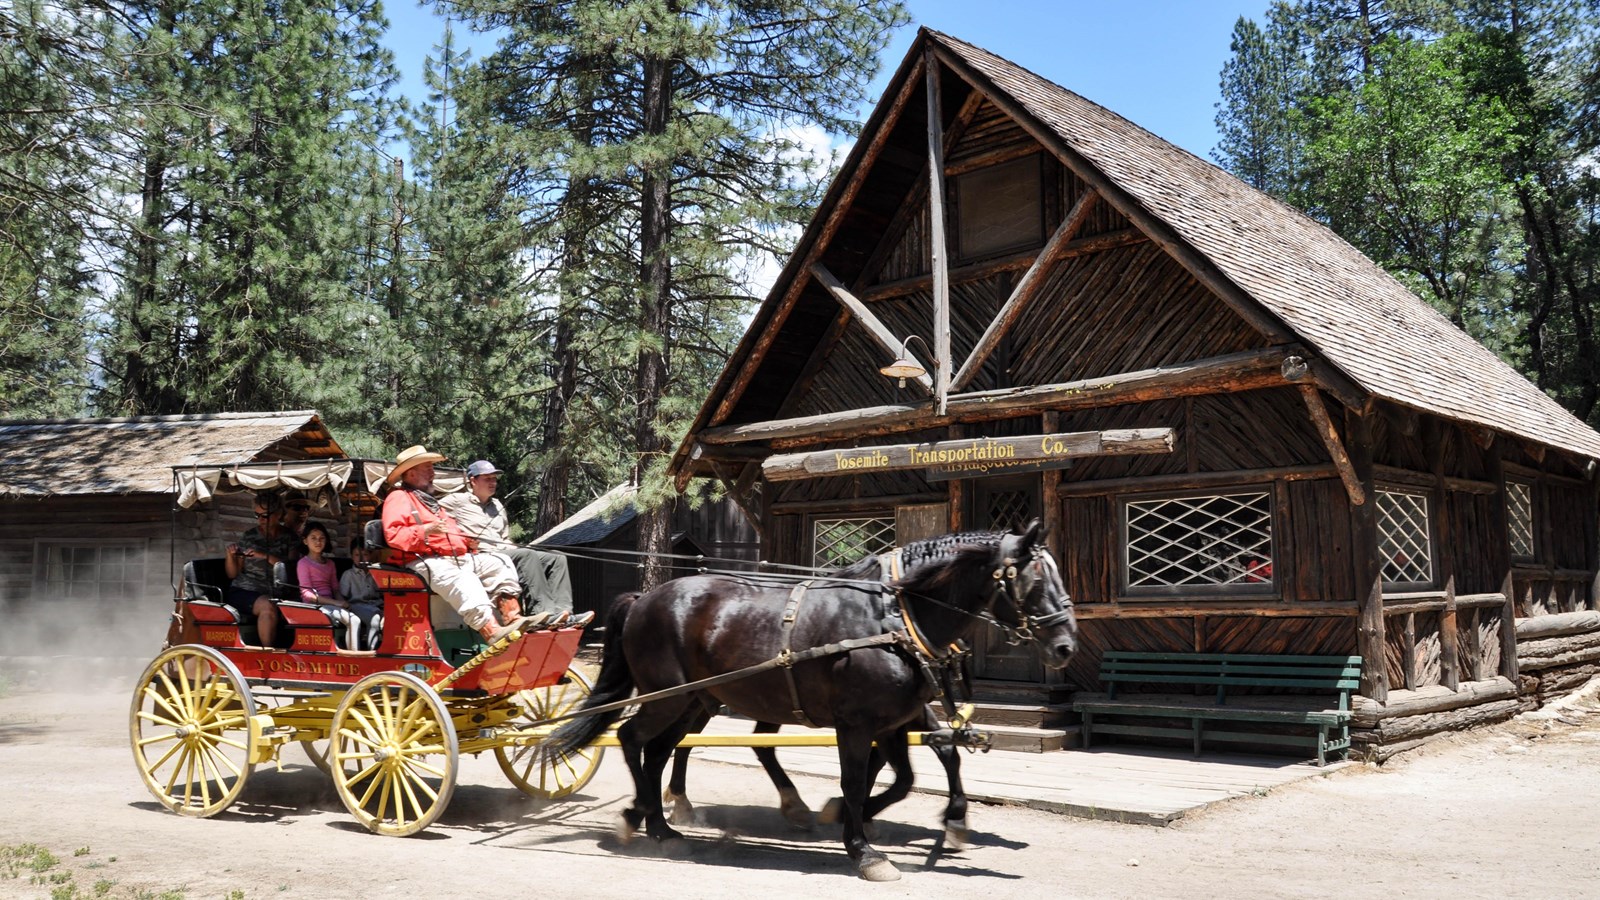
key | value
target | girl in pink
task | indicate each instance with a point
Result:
(319, 583)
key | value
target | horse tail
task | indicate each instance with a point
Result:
(614, 683)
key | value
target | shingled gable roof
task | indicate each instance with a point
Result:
(1337, 300)
(1333, 298)
(136, 455)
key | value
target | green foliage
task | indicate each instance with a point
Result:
(1453, 142)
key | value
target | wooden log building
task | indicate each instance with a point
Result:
(1244, 435)
(90, 542)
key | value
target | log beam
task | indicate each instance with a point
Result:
(1330, 439)
(879, 332)
(1500, 556)
(1029, 285)
(1249, 370)
(1094, 243)
(992, 452)
(1449, 644)
(939, 264)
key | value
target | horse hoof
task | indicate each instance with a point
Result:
(625, 830)
(832, 812)
(681, 811)
(797, 813)
(879, 869)
(955, 834)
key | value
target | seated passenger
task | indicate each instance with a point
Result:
(249, 563)
(319, 584)
(366, 603)
(428, 541)
(546, 596)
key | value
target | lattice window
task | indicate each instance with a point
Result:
(840, 542)
(1010, 510)
(1199, 541)
(86, 571)
(1519, 509)
(1403, 538)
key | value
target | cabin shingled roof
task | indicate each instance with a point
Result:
(135, 455)
(1341, 303)
(1351, 312)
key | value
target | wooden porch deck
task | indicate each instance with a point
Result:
(1139, 785)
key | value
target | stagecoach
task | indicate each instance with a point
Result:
(389, 725)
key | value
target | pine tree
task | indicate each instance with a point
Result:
(660, 156)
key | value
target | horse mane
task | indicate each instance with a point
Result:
(915, 558)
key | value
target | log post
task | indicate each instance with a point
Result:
(1368, 563)
(1591, 528)
(1449, 639)
(956, 486)
(1051, 503)
(936, 237)
(1500, 555)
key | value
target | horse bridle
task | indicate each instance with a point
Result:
(1007, 584)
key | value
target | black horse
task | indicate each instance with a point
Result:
(697, 628)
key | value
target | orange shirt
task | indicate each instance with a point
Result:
(405, 517)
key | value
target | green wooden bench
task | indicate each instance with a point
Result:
(1322, 701)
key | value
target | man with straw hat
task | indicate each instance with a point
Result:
(430, 542)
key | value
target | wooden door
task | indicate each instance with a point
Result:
(1004, 504)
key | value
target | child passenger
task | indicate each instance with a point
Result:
(361, 591)
(319, 584)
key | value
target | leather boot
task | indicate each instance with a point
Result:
(493, 631)
(508, 607)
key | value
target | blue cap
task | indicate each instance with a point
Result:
(482, 467)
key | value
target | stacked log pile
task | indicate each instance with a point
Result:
(1557, 654)
(1412, 718)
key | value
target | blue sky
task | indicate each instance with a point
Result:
(1156, 62)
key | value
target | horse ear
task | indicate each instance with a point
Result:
(1033, 534)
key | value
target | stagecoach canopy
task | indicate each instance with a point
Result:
(322, 480)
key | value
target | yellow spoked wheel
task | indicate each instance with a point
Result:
(394, 753)
(533, 772)
(190, 729)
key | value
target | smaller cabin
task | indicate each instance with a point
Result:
(88, 530)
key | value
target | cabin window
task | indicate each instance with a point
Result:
(1403, 538)
(83, 570)
(1198, 543)
(1519, 515)
(839, 542)
(999, 208)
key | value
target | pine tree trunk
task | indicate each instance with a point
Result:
(655, 311)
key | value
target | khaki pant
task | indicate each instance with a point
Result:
(468, 583)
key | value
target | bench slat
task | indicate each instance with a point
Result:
(1334, 677)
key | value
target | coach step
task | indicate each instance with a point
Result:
(1028, 740)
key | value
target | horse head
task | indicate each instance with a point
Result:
(1030, 601)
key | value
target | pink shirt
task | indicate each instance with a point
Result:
(317, 578)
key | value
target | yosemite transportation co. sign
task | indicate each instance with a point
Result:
(970, 458)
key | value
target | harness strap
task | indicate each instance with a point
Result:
(810, 653)
(791, 611)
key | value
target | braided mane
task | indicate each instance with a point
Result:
(918, 553)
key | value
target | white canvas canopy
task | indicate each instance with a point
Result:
(321, 479)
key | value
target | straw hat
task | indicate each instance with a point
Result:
(410, 458)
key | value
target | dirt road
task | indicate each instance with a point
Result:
(1509, 812)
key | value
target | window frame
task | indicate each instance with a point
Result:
(964, 254)
(1428, 512)
(813, 522)
(1221, 590)
(1531, 487)
(134, 548)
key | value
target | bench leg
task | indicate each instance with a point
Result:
(1086, 729)
(1195, 724)
(1322, 745)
